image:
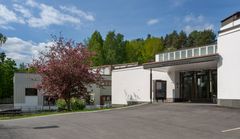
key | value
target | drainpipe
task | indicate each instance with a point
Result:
(150, 85)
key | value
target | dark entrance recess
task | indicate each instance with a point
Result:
(160, 90)
(198, 86)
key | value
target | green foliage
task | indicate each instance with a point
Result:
(61, 104)
(152, 46)
(200, 38)
(134, 49)
(7, 69)
(95, 44)
(3, 39)
(77, 104)
(115, 50)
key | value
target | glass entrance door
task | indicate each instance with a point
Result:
(198, 86)
(187, 87)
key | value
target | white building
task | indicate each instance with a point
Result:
(201, 74)
(28, 97)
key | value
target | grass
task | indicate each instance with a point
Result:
(44, 113)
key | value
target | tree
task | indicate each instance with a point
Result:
(114, 48)
(7, 69)
(66, 70)
(200, 38)
(151, 47)
(95, 44)
(182, 40)
(171, 40)
(3, 39)
(134, 49)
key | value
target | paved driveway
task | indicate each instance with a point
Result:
(166, 121)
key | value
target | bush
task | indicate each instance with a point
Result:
(61, 104)
(77, 104)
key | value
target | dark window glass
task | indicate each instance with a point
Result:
(49, 101)
(107, 83)
(30, 91)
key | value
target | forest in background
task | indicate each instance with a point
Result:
(114, 49)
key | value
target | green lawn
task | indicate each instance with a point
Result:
(43, 113)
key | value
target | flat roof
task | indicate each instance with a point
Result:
(206, 58)
(231, 18)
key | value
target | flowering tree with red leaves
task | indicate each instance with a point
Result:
(66, 70)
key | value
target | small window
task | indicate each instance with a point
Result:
(171, 56)
(31, 92)
(210, 50)
(203, 51)
(177, 55)
(166, 57)
(196, 52)
(107, 83)
(49, 101)
(183, 54)
(160, 57)
(189, 53)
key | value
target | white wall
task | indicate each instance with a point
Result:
(130, 84)
(22, 81)
(133, 84)
(229, 65)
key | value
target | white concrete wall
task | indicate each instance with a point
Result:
(133, 84)
(130, 84)
(229, 65)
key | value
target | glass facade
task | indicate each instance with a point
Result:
(198, 86)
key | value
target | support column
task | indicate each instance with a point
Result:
(150, 85)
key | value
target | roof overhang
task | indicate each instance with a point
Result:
(201, 59)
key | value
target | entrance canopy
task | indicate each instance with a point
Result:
(194, 63)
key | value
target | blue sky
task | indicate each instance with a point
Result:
(28, 24)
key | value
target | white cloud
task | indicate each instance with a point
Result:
(177, 3)
(192, 22)
(192, 18)
(152, 21)
(23, 10)
(31, 3)
(74, 10)
(50, 16)
(21, 50)
(40, 15)
(8, 16)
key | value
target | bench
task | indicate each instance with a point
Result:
(11, 112)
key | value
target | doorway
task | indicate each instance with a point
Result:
(198, 86)
(160, 90)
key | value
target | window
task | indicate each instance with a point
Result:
(210, 50)
(107, 82)
(49, 101)
(203, 51)
(183, 54)
(177, 55)
(166, 57)
(196, 52)
(160, 57)
(30, 92)
(172, 56)
(189, 53)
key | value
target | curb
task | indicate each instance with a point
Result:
(68, 113)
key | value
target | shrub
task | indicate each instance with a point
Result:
(61, 104)
(77, 104)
